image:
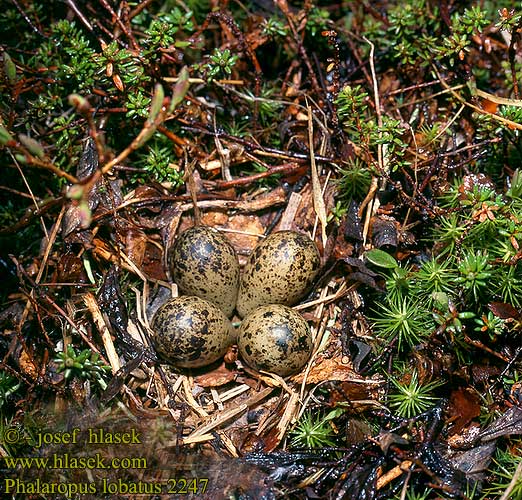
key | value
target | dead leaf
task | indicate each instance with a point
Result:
(27, 365)
(135, 244)
(243, 231)
(319, 204)
(464, 406)
(220, 376)
(152, 264)
(70, 269)
(503, 310)
(329, 369)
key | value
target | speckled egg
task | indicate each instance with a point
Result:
(204, 263)
(280, 270)
(276, 339)
(190, 332)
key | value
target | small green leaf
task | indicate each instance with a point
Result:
(9, 69)
(157, 103)
(21, 158)
(5, 136)
(381, 259)
(181, 88)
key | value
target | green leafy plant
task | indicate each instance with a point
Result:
(410, 398)
(318, 20)
(435, 276)
(474, 272)
(354, 181)
(86, 364)
(490, 324)
(163, 32)
(337, 212)
(137, 105)
(266, 104)
(115, 60)
(403, 319)
(157, 161)
(352, 106)
(274, 27)
(505, 464)
(398, 283)
(508, 285)
(447, 315)
(449, 230)
(219, 64)
(314, 430)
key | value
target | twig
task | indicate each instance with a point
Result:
(249, 179)
(44, 229)
(370, 199)
(394, 473)
(79, 13)
(120, 23)
(55, 306)
(494, 116)
(92, 304)
(27, 20)
(318, 200)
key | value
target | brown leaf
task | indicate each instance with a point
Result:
(503, 310)
(220, 376)
(244, 231)
(304, 219)
(329, 369)
(349, 391)
(152, 264)
(464, 406)
(70, 269)
(248, 230)
(27, 365)
(135, 244)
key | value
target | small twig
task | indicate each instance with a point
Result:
(318, 200)
(370, 199)
(80, 15)
(192, 189)
(515, 38)
(249, 179)
(170, 79)
(44, 229)
(55, 306)
(376, 98)
(142, 5)
(261, 150)
(509, 123)
(394, 473)
(478, 344)
(120, 23)
(26, 18)
(299, 42)
(92, 305)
